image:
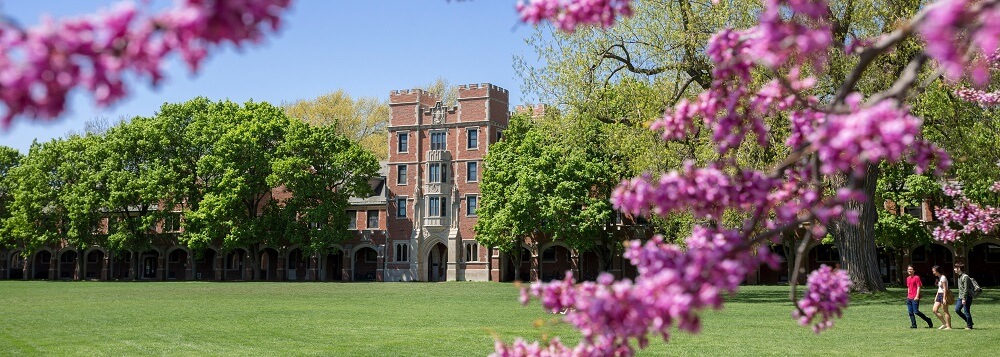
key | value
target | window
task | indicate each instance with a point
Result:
(473, 135)
(499, 135)
(914, 211)
(172, 222)
(403, 142)
(437, 173)
(437, 206)
(315, 225)
(372, 219)
(352, 219)
(400, 174)
(471, 203)
(472, 171)
(827, 253)
(471, 252)
(617, 217)
(371, 256)
(549, 255)
(402, 252)
(401, 207)
(68, 257)
(438, 140)
(92, 258)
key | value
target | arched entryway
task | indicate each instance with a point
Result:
(822, 254)
(334, 269)
(235, 264)
(94, 265)
(365, 264)
(507, 266)
(984, 263)
(268, 264)
(42, 264)
(437, 263)
(177, 261)
(887, 266)
(556, 259)
(204, 263)
(296, 265)
(925, 257)
(149, 265)
(15, 265)
(775, 276)
(67, 265)
(122, 265)
(590, 266)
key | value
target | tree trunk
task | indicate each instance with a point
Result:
(790, 245)
(856, 242)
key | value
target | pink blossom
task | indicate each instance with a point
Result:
(827, 297)
(40, 66)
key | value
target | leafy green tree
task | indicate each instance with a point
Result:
(541, 184)
(235, 207)
(321, 169)
(9, 159)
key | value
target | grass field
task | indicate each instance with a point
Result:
(421, 319)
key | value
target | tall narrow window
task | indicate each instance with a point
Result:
(403, 142)
(400, 174)
(471, 204)
(473, 138)
(438, 140)
(433, 206)
(471, 252)
(402, 252)
(372, 219)
(352, 219)
(401, 207)
(434, 173)
(437, 206)
(472, 171)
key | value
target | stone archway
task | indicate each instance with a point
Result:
(205, 264)
(590, 266)
(365, 264)
(67, 264)
(235, 264)
(268, 264)
(41, 265)
(334, 269)
(554, 261)
(437, 263)
(177, 264)
(983, 263)
(507, 266)
(149, 265)
(15, 266)
(926, 256)
(93, 267)
(296, 265)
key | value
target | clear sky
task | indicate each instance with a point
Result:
(366, 47)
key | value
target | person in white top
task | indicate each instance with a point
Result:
(940, 299)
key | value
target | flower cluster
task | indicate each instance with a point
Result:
(567, 15)
(826, 298)
(40, 66)
(675, 285)
(965, 218)
(837, 136)
(978, 96)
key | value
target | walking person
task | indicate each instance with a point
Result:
(941, 299)
(913, 285)
(964, 300)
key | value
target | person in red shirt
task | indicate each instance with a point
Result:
(913, 286)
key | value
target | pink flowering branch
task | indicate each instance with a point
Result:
(40, 66)
(829, 137)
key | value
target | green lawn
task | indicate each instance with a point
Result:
(432, 319)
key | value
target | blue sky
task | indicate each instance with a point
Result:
(365, 47)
